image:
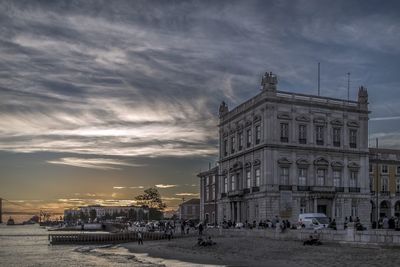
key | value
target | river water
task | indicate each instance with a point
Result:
(27, 245)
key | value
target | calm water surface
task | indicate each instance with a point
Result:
(27, 245)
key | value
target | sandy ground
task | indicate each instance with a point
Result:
(240, 251)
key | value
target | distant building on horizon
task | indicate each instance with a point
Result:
(104, 212)
(190, 210)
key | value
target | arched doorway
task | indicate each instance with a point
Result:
(384, 209)
(373, 212)
(397, 209)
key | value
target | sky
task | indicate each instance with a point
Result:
(100, 100)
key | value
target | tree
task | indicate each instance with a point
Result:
(151, 199)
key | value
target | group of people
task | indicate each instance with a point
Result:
(262, 224)
(387, 223)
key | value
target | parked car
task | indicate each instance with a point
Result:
(313, 221)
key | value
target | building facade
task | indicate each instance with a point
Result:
(190, 210)
(384, 170)
(209, 195)
(282, 154)
(109, 211)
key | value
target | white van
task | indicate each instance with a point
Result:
(313, 221)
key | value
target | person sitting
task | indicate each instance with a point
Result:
(313, 240)
(332, 225)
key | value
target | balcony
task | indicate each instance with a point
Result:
(354, 189)
(255, 189)
(246, 190)
(285, 188)
(320, 142)
(303, 188)
(323, 189)
(284, 139)
(235, 193)
(339, 189)
(353, 145)
(223, 195)
(384, 193)
(302, 141)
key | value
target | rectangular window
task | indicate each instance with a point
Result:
(233, 183)
(336, 137)
(321, 177)
(319, 135)
(371, 168)
(354, 210)
(284, 176)
(225, 184)
(207, 193)
(284, 132)
(302, 177)
(257, 177)
(248, 179)
(213, 179)
(249, 137)
(258, 134)
(225, 147)
(213, 192)
(398, 184)
(384, 169)
(233, 144)
(385, 184)
(207, 180)
(371, 183)
(337, 178)
(302, 134)
(353, 179)
(240, 141)
(398, 170)
(353, 138)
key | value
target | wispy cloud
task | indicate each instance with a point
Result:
(166, 185)
(93, 163)
(119, 187)
(137, 187)
(385, 118)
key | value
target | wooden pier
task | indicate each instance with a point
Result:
(106, 238)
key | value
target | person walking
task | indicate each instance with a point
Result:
(140, 238)
(200, 229)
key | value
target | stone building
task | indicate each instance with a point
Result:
(286, 153)
(384, 170)
(209, 195)
(190, 210)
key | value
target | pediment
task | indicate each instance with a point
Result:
(337, 164)
(248, 123)
(284, 161)
(302, 162)
(284, 116)
(353, 165)
(336, 122)
(247, 165)
(322, 162)
(256, 162)
(353, 124)
(319, 120)
(256, 118)
(303, 118)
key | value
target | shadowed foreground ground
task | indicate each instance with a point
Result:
(266, 252)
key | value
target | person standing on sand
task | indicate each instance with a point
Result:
(200, 229)
(140, 238)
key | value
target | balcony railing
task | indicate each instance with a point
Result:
(320, 142)
(246, 190)
(353, 145)
(323, 189)
(255, 189)
(236, 193)
(303, 188)
(385, 193)
(354, 189)
(284, 139)
(285, 188)
(223, 195)
(302, 141)
(339, 189)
